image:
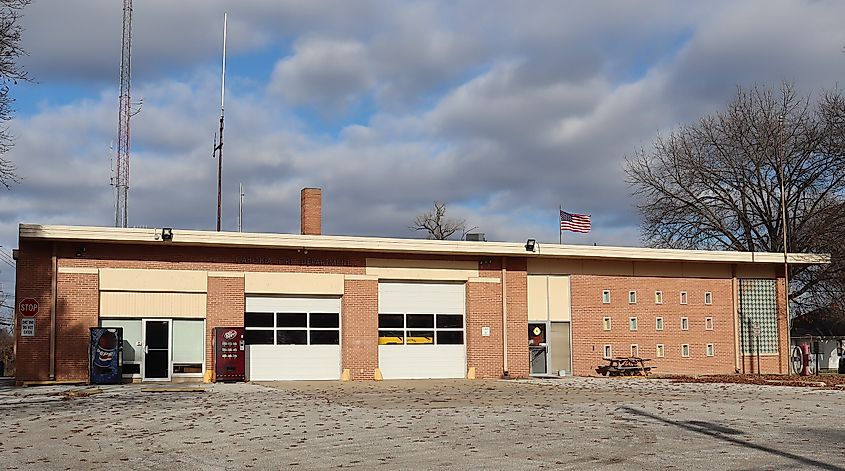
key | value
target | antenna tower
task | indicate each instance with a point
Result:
(218, 145)
(121, 181)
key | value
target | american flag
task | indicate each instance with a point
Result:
(574, 222)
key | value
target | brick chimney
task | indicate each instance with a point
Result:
(310, 211)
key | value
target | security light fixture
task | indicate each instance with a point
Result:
(80, 251)
(529, 245)
(166, 233)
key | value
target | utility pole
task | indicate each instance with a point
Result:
(121, 181)
(781, 168)
(218, 145)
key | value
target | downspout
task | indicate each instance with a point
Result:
(505, 373)
(53, 303)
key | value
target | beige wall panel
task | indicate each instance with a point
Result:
(755, 271)
(139, 304)
(559, 298)
(707, 270)
(171, 281)
(608, 268)
(435, 270)
(538, 305)
(293, 283)
(551, 266)
(658, 269)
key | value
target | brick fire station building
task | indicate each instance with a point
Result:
(324, 307)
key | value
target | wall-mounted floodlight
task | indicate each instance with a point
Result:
(530, 244)
(166, 233)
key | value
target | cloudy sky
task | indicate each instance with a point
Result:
(504, 110)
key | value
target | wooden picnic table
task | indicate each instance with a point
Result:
(625, 366)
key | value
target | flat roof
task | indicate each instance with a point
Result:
(186, 237)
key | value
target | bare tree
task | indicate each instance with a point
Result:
(10, 74)
(437, 225)
(716, 184)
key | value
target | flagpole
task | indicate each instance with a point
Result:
(560, 231)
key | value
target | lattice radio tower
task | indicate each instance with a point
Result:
(125, 112)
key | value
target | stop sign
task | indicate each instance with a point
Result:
(28, 307)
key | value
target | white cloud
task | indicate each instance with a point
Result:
(325, 73)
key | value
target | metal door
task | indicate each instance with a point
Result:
(561, 350)
(422, 330)
(156, 363)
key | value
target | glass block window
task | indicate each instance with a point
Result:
(758, 312)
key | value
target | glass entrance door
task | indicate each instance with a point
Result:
(538, 348)
(156, 364)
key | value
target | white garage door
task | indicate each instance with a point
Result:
(292, 338)
(421, 330)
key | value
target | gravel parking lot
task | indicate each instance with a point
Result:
(571, 423)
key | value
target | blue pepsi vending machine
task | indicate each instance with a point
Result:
(105, 357)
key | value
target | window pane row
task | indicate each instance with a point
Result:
(292, 319)
(420, 337)
(291, 337)
(420, 321)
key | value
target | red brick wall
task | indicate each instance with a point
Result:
(77, 309)
(589, 337)
(769, 364)
(517, 294)
(360, 306)
(225, 308)
(33, 279)
(484, 309)
(359, 328)
(783, 327)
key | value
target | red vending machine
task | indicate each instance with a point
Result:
(229, 354)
